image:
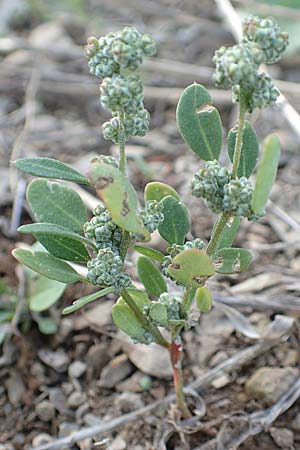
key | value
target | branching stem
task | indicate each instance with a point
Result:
(175, 350)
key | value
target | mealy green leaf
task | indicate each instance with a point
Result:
(249, 152)
(118, 195)
(232, 260)
(228, 234)
(203, 299)
(44, 293)
(56, 203)
(50, 168)
(80, 302)
(199, 122)
(150, 276)
(47, 265)
(266, 173)
(47, 325)
(150, 252)
(176, 223)
(125, 319)
(191, 267)
(59, 241)
(159, 314)
(157, 191)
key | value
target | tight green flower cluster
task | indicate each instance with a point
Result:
(107, 267)
(238, 66)
(121, 93)
(220, 193)
(175, 249)
(152, 216)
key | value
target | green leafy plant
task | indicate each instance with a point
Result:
(155, 315)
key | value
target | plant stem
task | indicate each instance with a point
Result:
(175, 350)
(239, 137)
(143, 320)
(220, 225)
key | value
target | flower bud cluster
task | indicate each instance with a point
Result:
(175, 249)
(266, 34)
(173, 305)
(152, 216)
(121, 93)
(238, 66)
(209, 184)
(107, 267)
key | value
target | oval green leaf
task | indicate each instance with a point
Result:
(50, 168)
(199, 122)
(176, 223)
(82, 301)
(228, 233)
(56, 203)
(150, 252)
(232, 260)
(159, 314)
(47, 325)
(191, 268)
(45, 293)
(59, 241)
(125, 319)
(157, 191)
(151, 277)
(266, 173)
(203, 299)
(118, 195)
(47, 265)
(249, 152)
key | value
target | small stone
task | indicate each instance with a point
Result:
(268, 384)
(128, 401)
(41, 439)
(97, 357)
(291, 358)
(218, 358)
(67, 388)
(283, 437)
(67, 428)
(296, 422)
(45, 411)
(58, 360)
(116, 370)
(118, 444)
(91, 420)
(77, 369)
(138, 382)
(76, 399)
(15, 387)
(221, 381)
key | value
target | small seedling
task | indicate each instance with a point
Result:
(118, 223)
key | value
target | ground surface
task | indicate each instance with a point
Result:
(52, 385)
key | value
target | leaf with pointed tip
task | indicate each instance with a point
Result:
(199, 122)
(232, 260)
(56, 203)
(228, 233)
(125, 319)
(159, 314)
(44, 293)
(59, 241)
(150, 252)
(266, 173)
(47, 325)
(47, 265)
(191, 267)
(118, 195)
(82, 301)
(157, 191)
(203, 299)
(249, 151)
(176, 223)
(50, 168)
(151, 277)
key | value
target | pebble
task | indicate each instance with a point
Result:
(76, 399)
(115, 371)
(218, 358)
(268, 384)
(40, 439)
(118, 444)
(77, 369)
(283, 437)
(45, 411)
(97, 357)
(15, 387)
(58, 360)
(90, 419)
(221, 381)
(138, 382)
(128, 401)
(296, 422)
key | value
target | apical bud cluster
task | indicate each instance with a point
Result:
(238, 66)
(175, 249)
(152, 216)
(209, 184)
(107, 267)
(222, 194)
(173, 305)
(110, 58)
(267, 35)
